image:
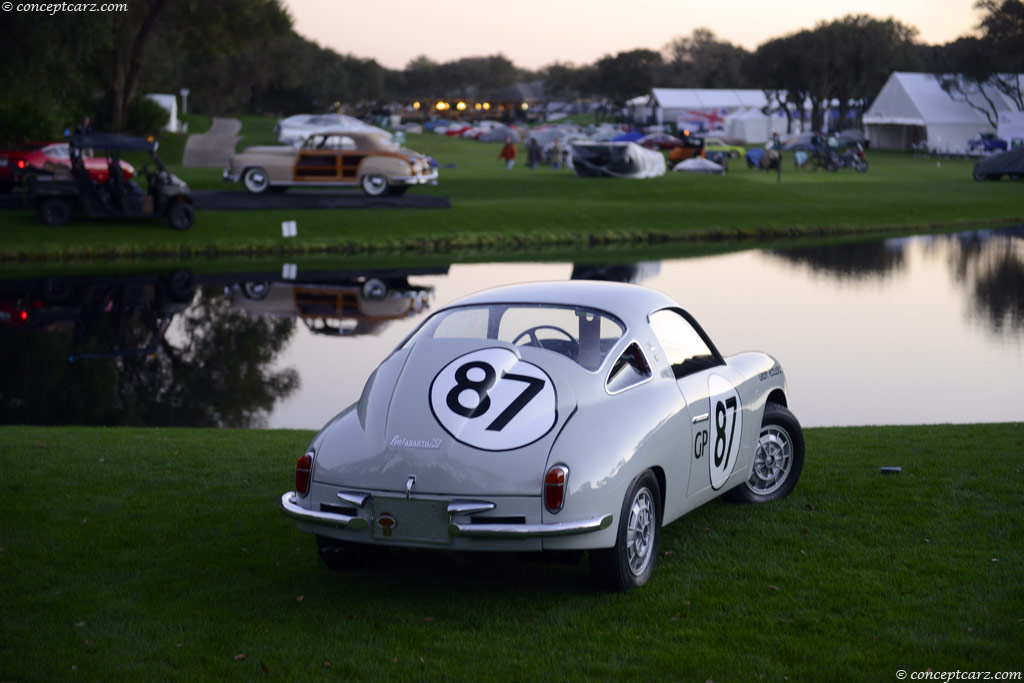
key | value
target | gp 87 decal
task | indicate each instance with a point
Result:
(493, 400)
(725, 427)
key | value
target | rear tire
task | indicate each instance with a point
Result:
(54, 211)
(630, 562)
(778, 459)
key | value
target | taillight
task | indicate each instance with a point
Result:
(554, 487)
(21, 163)
(303, 470)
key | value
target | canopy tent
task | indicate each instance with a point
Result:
(753, 125)
(912, 110)
(701, 109)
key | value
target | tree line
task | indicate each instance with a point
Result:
(243, 56)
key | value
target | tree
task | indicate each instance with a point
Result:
(979, 71)
(702, 61)
(627, 75)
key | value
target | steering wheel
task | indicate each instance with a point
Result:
(534, 341)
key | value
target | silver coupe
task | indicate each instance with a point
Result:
(561, 416)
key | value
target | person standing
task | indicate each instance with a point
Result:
(533, 153)
(508, 153)
(556, 154)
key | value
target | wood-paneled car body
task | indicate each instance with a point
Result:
(369, 160)
(564, 416)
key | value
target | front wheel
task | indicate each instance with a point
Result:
(54, 211)
(255, 180)
(374, 185)
(778, 459)
(630, 562)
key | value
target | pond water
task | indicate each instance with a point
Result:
(926, 329)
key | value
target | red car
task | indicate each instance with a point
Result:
(12, 163)
(660, 141)
(54, 155)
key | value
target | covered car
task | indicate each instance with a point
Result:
(294, 129)
(615, 160)
(559, 416)
(1010, 164)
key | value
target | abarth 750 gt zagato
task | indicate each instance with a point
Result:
(550, 416)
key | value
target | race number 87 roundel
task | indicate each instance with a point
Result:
(493, 400)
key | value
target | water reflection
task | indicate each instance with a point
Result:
(849, 261)
(873, 333)
(991, 265)
(95, 350)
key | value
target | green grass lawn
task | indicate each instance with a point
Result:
(520, 210)
(159, 554)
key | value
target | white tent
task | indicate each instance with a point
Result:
(913, 111)
(701, 109)
(753, 126)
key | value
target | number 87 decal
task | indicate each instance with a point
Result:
(727, 429)
(493, 400)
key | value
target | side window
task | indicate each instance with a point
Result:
(332, 142)
(685, 350)
(628, 370)
(347, 142)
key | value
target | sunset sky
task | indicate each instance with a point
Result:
(535, 33)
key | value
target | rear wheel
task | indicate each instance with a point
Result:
(630, 562)
(778, 459)
(54, 211)
(180, 216)
(374, 185)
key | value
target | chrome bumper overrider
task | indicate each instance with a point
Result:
(230, 177)
(297, 512)
(425, 179)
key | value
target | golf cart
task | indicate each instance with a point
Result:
(56, 196)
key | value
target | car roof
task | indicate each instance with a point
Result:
(629, 303)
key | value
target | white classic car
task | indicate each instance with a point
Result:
(372, 161)
(552, 416)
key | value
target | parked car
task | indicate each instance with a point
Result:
(1010, 164)
(564, 416)
(372, 161)
(56, 197)
(987, 142)
(727, 147)
(57, 155)
(294, 129)
(12, 163)
(660, 141)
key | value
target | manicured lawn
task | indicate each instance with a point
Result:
(508, 211)
(159, 554)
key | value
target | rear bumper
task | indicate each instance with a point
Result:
(362, 522)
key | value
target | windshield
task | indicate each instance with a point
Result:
(581, 334)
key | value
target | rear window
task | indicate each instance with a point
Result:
(582, 334)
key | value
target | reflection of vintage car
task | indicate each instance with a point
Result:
(555, 416)
(334, 309)
(372, 161)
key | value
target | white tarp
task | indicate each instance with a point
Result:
(616, 159)
(698, 165)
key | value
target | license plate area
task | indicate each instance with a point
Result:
(410, 520)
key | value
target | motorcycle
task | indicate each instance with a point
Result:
(854, 158)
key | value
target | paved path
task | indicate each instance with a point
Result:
(214, 147)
